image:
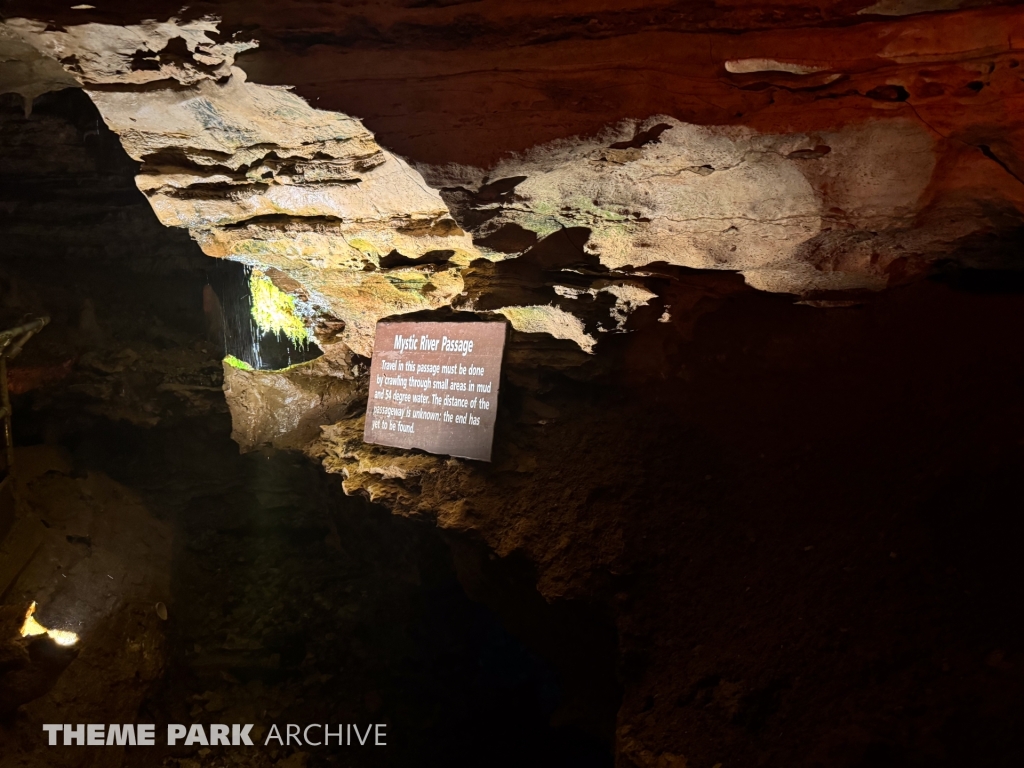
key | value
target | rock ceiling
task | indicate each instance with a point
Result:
(820, 151)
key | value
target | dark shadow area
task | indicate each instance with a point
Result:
(806, 520)
(322, 608)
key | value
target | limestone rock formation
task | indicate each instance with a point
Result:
(865, 172)
(286, 408)
(258, 175)
(794, 213)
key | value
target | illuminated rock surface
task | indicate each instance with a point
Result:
(806, 175)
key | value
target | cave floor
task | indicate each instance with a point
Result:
(286, 603)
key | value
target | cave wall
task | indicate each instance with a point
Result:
(801, 521)
(761, 264)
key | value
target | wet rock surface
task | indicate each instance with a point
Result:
(287, 408)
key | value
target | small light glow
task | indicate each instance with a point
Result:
(31, 628)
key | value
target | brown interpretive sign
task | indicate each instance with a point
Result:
(434, 386)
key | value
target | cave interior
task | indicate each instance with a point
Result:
(760, 434)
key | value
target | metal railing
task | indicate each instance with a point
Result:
(11, 343)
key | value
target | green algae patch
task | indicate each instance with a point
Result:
(273, 310)
(241, 365)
